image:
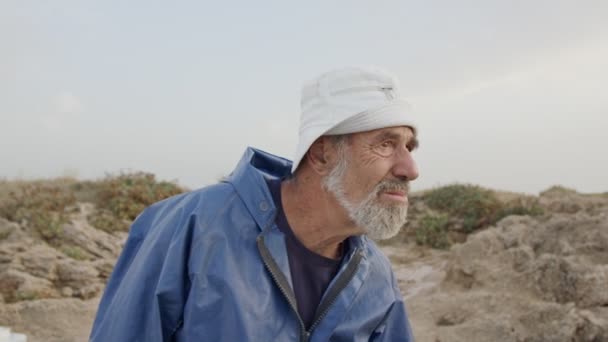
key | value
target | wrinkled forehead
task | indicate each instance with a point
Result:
(405, 133)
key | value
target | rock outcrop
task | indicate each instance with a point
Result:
(524, 279)
(541, 277)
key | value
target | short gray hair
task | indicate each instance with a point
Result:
(332, 180)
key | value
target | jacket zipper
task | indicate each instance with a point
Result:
(282, 283)
(335, 290)
(327, 302)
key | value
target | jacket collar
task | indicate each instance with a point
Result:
(248, 179)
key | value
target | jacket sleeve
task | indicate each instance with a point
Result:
(145, 295)
(395, 325)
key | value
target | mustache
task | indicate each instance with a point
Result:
(393, 185)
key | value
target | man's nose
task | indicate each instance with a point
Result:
(405, 165)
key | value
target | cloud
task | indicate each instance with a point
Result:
(67, 103)
(66, 108)
(541, 69)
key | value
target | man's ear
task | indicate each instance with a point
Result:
(319, 156)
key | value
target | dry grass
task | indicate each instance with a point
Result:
(44, 206)
(119, 199)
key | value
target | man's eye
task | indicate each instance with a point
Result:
(386, 148)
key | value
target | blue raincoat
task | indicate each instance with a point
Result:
(211, 265)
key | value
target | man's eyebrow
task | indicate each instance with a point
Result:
(387, 135)
(412, 144)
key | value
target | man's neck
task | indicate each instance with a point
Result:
(316, 218)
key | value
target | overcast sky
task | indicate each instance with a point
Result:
(511, 95)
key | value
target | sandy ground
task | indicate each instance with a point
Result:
(51, 320)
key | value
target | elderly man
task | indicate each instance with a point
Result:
(280, 251)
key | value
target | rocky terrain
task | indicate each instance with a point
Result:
(59, 240)
(524, 279)
(473, 264)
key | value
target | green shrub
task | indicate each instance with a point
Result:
(530, 209)
(432, 231)
(106, 221)
(127, 195)
(25, 295)
(473, 205)
(43, 207)
(74, 252)
(85, 191)
(119, 199)
(558, 190)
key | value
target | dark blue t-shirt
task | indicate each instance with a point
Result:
(311, 273)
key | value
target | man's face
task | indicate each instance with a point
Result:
(371, 178)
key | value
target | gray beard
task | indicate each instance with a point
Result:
(377, 220)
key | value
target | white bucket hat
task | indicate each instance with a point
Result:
(350, 100)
